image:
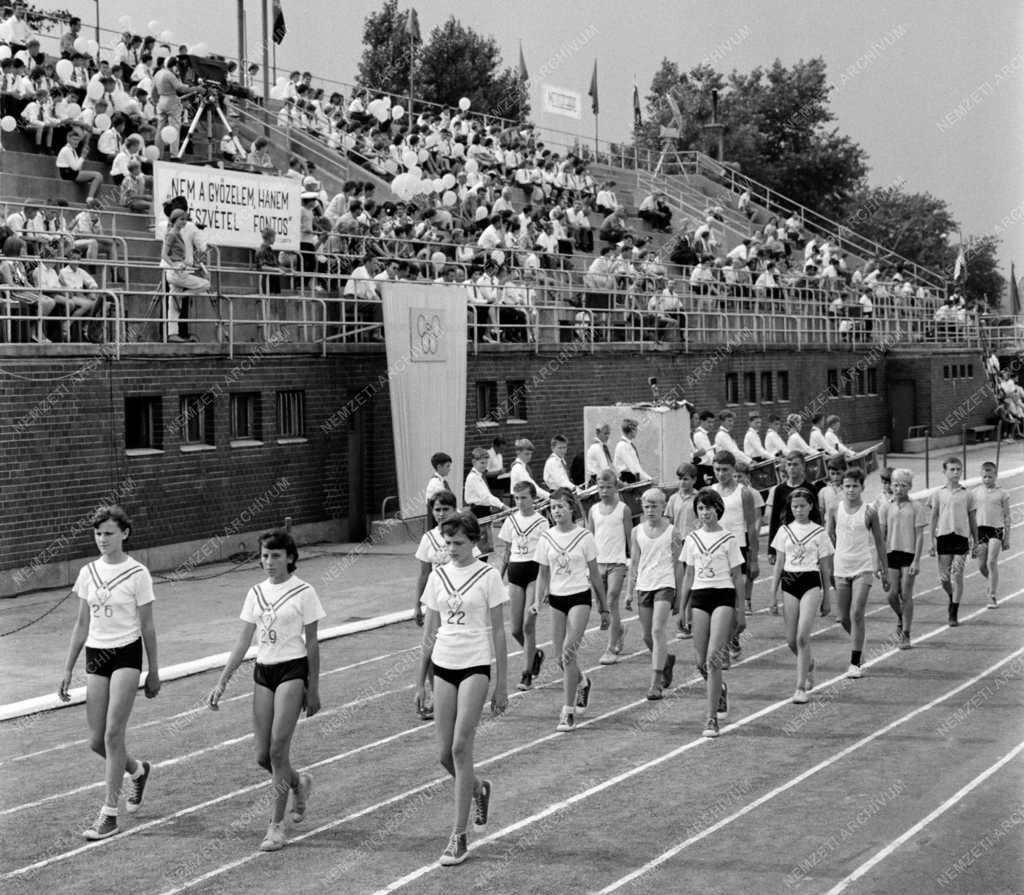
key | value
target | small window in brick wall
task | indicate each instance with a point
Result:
(143, 423)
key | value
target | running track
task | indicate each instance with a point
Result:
(908, 780)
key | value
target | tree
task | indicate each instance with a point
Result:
(457, 62)
(384, 65)
(985, 282)
(778, 127)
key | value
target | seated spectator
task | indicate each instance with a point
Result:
(656, 212)
(76, 280)
(606, 202)
(29, 225)
(768, 287)
(702, 279)
(268, 263)
(131, 150)
(580, 228)
(362, 287)
(135, 189)
(37, 118)
(178, 262)
(70, 166)
(46, 278)
(13, 273)
(743, 204)
(259, 156)
(613, 227)
(666, 309)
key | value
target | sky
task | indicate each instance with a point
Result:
(930, 88)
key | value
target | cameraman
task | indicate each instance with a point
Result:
(169, 91)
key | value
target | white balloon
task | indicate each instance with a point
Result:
(81, 44)
(93, 47)
(87, 117)
(124, 23)
(166, 36)
(481, 213)
(169, 134)
(464, 104)
(438, 259)
(397, 112)
(7, 124)
(5, 51)
(391, 166)
(472, 166)
(64, 69)
(282, 81)
(277, 92)
(438, 185)
(153, 26)
(102, 121)
(74, 110)
(409, 158)
(381, 114)
(432, 140)
(498, 257)
(448, 180)
(200, 49)
(416, 172)
(423, 155)
(387, 101)
(449, 199)
(94, 91)
(152, 153)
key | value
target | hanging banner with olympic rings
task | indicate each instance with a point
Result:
(425, 337)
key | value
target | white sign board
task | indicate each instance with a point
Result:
(559, 101)
(662, 437)
(234, 206)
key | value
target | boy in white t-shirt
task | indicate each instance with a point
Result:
(283, 612)
(610, 522)
(993, 519)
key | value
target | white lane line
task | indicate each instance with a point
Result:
(881, 855)
(155, 722)
(327, 713)
(330, 825)
(654, 762)
(800, 778)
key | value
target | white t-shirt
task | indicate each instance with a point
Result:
(114, 592)
(804, 546)
(463, 596)
(522, 533)
(281, 613)
(609, 532)
(568, 554)
(712, 555)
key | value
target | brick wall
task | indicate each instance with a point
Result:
(952, 390)
(63, 431)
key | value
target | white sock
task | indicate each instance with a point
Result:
(139, 769)
(108, 811)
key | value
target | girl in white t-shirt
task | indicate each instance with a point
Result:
(520, 532)
(115, 620)
(712, 583)
(567, 559)
(464, 631)
(805, 567)
(284, 612)
(611, 523)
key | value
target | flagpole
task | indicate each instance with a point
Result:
(412, 52)
(266, 53)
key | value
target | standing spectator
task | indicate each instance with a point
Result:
(169, 91)
(177, 260)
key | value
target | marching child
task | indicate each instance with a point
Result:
(993, 509)
(520, 532)
(954, 533)
(713, 583)
(568, 576)
(830, 495)
(806, 565)
(655, 579)
(610, 522)
(684, 517)
(284, 612)
(904, 522)
(464, 632)
(115, 621)
(860, 551)
(442, 464)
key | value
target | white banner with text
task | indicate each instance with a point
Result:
(559, 101)
(234, 206)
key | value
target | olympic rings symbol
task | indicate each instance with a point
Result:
(428, 329)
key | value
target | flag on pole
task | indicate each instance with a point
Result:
(592, 92)
(524, 75)
(1014, 292)
(412, 25)
(279, 29)
(960, 268)
(638, 121)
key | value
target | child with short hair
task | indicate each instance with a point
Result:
(713, 580)
(520, 532)
(954, 534)
(611, 523)
(477, 496)
(442, 464)
(883, 499)
(134, 190)
(832, 492)
(993, 517)
(655, 576)
(860, 553)
(904, 521)
(681, 511)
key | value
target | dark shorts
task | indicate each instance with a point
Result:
(952, 545)
(522, 573)
(564, 602)
(708, 599)
(272, 676)
(647, 598)
(796, 584)
(67, 173)
(988, 533)
(899, 559)
(104, 661)
(456, 676)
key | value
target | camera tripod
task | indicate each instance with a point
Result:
(210, 103)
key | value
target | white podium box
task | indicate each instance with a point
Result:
(662, 439)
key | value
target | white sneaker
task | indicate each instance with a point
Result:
(800, 697)
(854, 672)
(301, 797)
(566, 721)
(608, 658)
(275, 839)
